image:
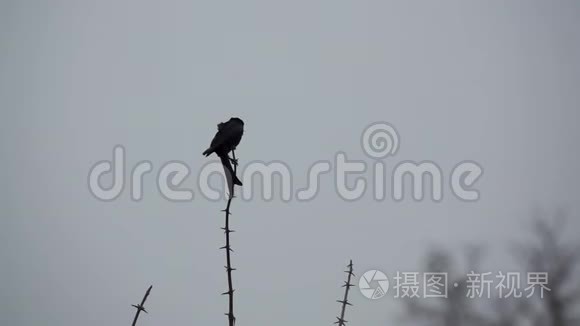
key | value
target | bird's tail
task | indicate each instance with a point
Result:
(229, 170)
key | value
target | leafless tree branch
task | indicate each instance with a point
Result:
(141, 307)
(228, 249)
(347, 285)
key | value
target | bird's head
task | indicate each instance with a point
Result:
(236, 119)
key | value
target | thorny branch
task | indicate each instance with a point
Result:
(228, 248)
(141, 307)
(347, 285)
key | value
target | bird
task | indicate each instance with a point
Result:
(226, 139)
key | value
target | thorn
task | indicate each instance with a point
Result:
(228, 292)
(140, 308)
(344, 302)
(231, 317)
(227, 247)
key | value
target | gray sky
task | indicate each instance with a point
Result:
(490, 81)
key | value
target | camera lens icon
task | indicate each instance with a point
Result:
(373, 284)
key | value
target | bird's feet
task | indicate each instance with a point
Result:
(234, 161)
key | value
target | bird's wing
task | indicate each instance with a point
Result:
(226, 132)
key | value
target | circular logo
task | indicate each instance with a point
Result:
(378, 279)
(380, 140)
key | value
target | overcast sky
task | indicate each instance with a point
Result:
(495, 82)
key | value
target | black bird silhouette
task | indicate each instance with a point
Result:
(225, 140)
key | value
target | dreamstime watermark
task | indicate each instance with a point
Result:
(379, 141)
(374, 284)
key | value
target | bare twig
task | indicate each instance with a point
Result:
(141, 307)
(228, 248)
(347, 285)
